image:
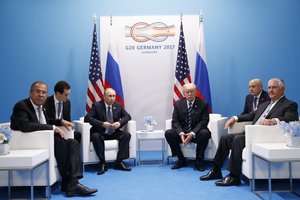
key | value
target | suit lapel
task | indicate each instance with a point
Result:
(32, 111)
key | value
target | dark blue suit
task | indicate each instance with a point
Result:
(200, 119)
(66, 151)
(248, 107)
(96, 116)
(284, 110)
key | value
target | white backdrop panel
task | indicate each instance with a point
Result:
(148, 74)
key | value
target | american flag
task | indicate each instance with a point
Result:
(95, 84)
(182, 73)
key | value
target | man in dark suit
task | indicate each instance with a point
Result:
(106, 118)
(28, 116)
(279, 108)
(58, 108)
(189, 124)
(255, 97)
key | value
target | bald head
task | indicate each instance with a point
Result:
(109, 96)
(255, 87)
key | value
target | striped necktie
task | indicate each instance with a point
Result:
(189, 127)
(42, 119)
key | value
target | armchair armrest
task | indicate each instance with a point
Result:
(70, 133)
(84, 129)
(238, 127)
(260, 134)
(131, 128)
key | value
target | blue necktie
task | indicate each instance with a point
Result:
(189, 127)
(110, 120)
(255, 103)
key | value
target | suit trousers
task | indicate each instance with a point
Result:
(122, 136)
(235, 143)
(201, 139)
(68, 160)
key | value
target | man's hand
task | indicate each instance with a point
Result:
(268, 122)
(67, 124)
(106, 124)
(229, 122)
(188, 138)
(62, 134)
(182, 136)
(116, 125)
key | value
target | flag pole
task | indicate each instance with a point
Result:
(181, 17)
(110, 20)
(94, 18)
(201, 16)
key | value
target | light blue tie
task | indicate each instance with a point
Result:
(59, 110)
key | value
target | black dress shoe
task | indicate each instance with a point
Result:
(102, 169)
(179, 164)
(212, 174)
(121, 166)
(80, 190)
(199, 165)
(229, 181)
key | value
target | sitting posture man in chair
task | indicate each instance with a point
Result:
(58, 108)
(279, 108)
(255, 97)
(189, 124)
(106, 118)
(28, 116)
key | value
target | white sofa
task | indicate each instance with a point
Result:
(33, 140)
(216, 126)
(263, 134)
(88, 154)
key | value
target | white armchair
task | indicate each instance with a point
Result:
(216, 126)
(263, 134)
(33, 140)
(88, 154)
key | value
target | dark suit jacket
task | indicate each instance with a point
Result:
(50, 111)
(25, 119)
(248, 107)
(97, 115)
(284, 110)
(200, 116)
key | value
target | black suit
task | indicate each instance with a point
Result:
(284, 110)
(66, 151)
(248, 107)
(96, 116)
(66, 114)
(200, 119)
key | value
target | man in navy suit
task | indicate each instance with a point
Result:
(255, 97)
(189, 124)
(279, 108)
(106, 118)
(28, 116)
(58, 108)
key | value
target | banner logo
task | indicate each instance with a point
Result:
(156, 32)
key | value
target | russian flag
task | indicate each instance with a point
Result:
(112, 72)
(201, 73)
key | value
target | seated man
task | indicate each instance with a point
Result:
(106, 118)
(279, 108)
(58, 108)
(189, 124)
(255, 97)
(28, 116)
